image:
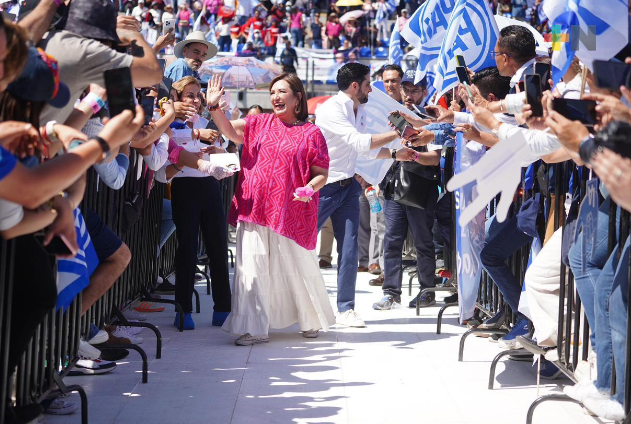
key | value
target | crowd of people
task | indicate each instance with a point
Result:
(65, 69)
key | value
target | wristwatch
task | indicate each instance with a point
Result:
(394, 153)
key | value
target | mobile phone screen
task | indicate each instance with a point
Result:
(543, 70)
(611, 75)
(399, 122)
(148, 105)
(463, 75)
(56, 246)
(460, 61)
(422, 112)
(120, 91)
(576, 110)
(532, 85)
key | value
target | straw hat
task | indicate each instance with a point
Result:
(195, 37)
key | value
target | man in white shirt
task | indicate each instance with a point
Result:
(343, 122)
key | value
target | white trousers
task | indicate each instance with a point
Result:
(277, 283)
(542, 290)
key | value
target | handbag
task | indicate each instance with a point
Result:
(408, 188)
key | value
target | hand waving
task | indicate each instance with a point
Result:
(215, 91)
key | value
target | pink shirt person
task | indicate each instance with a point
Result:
(276, 160)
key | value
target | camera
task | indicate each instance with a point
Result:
(616, 137)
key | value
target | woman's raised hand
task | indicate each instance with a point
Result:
(215, 91)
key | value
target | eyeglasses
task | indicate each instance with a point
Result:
(494, 54)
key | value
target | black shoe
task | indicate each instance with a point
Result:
(427, 299)
(530, 344)
(387, 302)
(452, 299)
(377, 282)
(114, 355)
(165, 288)
(523, 357)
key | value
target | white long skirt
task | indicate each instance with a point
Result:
(277, 283)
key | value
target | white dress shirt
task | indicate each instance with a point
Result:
(345, 135)
(159, 153)
(520, 73)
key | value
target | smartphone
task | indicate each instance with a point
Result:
(422, 112)
(169, 24)
(532, 86)
(402, 126)
(543, 70)
(148, 105)
(460, 61)
(611, 75)
(463, 75)
(120, 91)
(164, 89)
(577, 110)
(57, 245)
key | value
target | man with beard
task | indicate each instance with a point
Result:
(191, 53)
(343, 120)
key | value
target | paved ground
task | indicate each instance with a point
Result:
(395, 370)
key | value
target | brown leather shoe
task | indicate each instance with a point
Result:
(362, 269)
(325, 265)
(376, 281)
(374, 269)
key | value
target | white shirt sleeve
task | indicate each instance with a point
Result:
(463, 118)
(540, 143)
(334, 123)
(159, 153)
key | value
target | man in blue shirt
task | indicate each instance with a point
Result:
(191, 53)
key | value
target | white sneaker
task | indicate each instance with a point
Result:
(61, 407)
(580, 391)
(350, 318)
(605, 407)
(87, 351)
(132, 330)
(122, 332)
(310, 334)
(89, 367)
(248, 340)
(133, 315)
(101, 337)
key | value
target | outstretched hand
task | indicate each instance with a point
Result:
(215, 90)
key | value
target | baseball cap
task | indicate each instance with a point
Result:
(410, 76)
(39, 80)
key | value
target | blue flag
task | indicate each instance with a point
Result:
(470, 238)
(425, 30)
(586, 29)
(395, 54)
(472, 33)
(73, 275)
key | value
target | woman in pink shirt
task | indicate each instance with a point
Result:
(297, 30)
(284, 164)
(333, 31)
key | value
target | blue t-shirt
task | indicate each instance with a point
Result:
(7, 162)
(179, 69)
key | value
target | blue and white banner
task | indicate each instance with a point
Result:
(609, 24)
(395, 54)
(425, 30)
(73, 275)
(470, 238)
(472, 33)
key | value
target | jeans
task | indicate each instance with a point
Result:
(167, 227)
(225, 42)
(341, 204)
(421, 222)
(594, 262)
(317, 44)
(502, 240)
(298, 36)
(618, 304)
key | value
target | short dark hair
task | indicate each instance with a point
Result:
(489, 80)
(392, 67)
(350, 73)
(519, 42)
(257, 107)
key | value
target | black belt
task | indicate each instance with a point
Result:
(342, 183)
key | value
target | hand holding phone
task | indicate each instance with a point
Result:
(120, 91)
(423, 113)
(169, 24)
(148, 106)
(400, 124)
(611, 75)
(532, 87)
(577, 110)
